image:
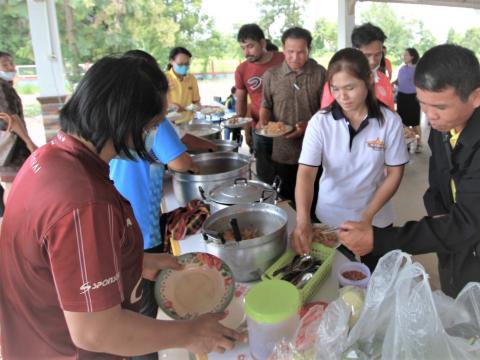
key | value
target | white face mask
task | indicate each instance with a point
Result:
(149, 140)
(8, 75)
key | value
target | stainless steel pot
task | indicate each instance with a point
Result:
(215, 169)
(240, 191)
(222, 146)
(248, 259)
(207, 131)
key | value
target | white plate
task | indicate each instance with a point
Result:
(321, 227)
(266, 133)
(236, 313)
(204, 285)
(174, 116)
(234, 123)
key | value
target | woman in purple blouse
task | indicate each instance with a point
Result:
(407, 105)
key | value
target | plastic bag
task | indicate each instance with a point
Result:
(401, 319)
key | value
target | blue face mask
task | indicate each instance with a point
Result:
(149, 139)
(8, 75)
(181, 69)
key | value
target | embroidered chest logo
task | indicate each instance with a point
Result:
(377, 144)
(255, 82)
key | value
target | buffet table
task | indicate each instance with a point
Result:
(195, 243)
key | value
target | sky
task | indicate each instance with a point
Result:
(229, 12)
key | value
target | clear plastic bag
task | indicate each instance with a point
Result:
(403, 319)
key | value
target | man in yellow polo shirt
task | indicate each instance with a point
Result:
(182, 86)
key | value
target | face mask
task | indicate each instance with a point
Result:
(181, 69)
(8, 75)
(149, 139)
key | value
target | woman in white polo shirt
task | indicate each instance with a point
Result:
(359, 142)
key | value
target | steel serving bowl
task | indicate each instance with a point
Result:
(248, 259)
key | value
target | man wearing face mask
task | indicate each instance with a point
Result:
(369, 39)
(182, 86)
(15, 144)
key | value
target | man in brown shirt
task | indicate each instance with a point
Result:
(292, 93)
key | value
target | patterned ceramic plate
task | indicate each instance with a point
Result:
(237, 122)
(265, 132)
(205, 285)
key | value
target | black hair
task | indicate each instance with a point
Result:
(115, 100)
(4, 54)
(297, 33)
(414, 54)
(365, 34)
(250, 32)
(355, 63)
(271, 46)
(174, 52)
(140, 54)
(446, 66)
(233, 90)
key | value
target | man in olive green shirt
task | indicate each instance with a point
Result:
(292, 94)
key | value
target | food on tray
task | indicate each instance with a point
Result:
(212, 110)
(326, 238)
(233, 121)
(275, 128)
(248, 232)
(408, 132)
(192, 107)
(354, 275)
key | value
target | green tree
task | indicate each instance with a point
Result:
(423, 38)
(276, 16)
(324, 36)
(398, 31)
(15, 32)
(471, 40)
(453, 37)
(401, 33)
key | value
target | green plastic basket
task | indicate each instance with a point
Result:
(319, 252)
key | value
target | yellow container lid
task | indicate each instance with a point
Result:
(272, 301)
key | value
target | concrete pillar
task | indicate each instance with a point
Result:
(48, 60)
(346, 22)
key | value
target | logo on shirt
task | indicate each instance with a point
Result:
(255, 82)
(129, 222)
(133, 296)
(86, 287)
(377, 144)
(381, 90)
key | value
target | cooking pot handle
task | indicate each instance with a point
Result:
(277, 183)
(202, 193)
(266, 193)
(242, 179)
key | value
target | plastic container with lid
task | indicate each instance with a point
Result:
(354, 267)
(272, 315)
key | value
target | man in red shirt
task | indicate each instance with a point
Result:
(71, 251)
(249, 82)
(369, 39)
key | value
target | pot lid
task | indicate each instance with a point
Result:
(242, 191)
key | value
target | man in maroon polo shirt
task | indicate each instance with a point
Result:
(249, 82)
